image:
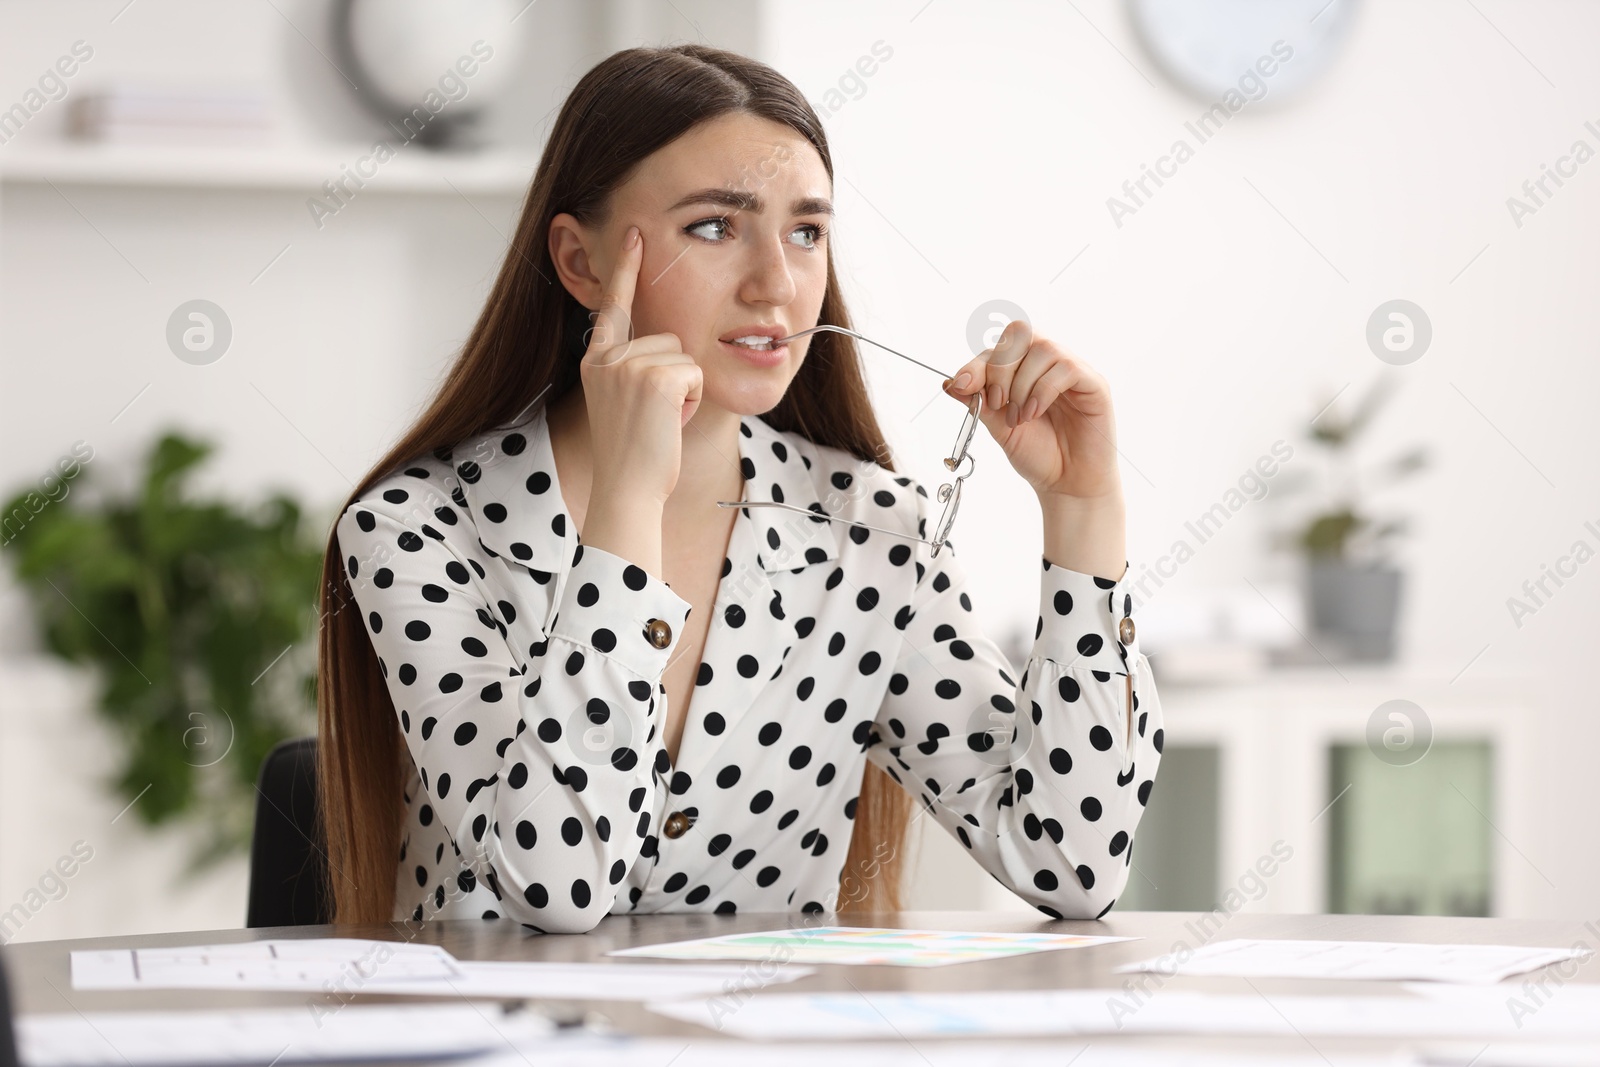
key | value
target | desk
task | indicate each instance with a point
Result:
(41, 975)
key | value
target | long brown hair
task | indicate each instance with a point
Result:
(528, 337)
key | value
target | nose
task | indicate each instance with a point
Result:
(767, 278)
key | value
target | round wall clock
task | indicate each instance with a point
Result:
(1261, 49)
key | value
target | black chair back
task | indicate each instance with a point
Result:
(8, 1041)
(288, 861)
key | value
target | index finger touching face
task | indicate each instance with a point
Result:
(613, 321)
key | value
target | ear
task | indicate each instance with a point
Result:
(570, 245)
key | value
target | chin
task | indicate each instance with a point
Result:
(747, 392)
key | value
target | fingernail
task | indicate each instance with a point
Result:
(963, 380)
(633, 237)
(1030, 410)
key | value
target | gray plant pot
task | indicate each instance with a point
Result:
(1357, 605)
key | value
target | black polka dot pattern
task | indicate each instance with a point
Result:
(528, 692)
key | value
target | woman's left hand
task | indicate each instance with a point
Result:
(1050, 412)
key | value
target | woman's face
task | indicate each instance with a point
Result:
(734, 215)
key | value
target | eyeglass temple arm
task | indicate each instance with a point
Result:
(859, 337)
(830, 518)
(977, 405)
(977, 408)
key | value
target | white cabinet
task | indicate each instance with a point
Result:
(1273, 741)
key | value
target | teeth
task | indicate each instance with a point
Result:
(753, 342)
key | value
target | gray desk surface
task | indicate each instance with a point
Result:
(42, 982)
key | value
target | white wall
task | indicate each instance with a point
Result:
(975, 165)
(335, 345)
(978, 161)
(340, 333)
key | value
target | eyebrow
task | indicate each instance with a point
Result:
(747, 201)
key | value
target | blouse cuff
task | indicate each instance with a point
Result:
(620, 609)
(1081, 620)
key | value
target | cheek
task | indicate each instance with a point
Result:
(813, 283)
(666, 294)
(680, 293)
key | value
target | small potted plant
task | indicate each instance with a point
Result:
(1353, 587)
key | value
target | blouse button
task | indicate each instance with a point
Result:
(658, 633)
(1125, 631)
(676, 826)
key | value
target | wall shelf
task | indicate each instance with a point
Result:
(292, 168)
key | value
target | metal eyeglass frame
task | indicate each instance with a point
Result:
(949, 493)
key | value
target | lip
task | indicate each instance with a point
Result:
(770, 358)
(771, 331)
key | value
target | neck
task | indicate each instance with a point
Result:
(710, 469)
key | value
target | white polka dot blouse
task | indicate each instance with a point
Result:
(525, 670)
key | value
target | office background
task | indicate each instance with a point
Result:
(987, 156)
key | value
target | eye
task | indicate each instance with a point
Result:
(721, 221)
(814, 234)
(718, 231)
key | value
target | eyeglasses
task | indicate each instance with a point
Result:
(949, 493)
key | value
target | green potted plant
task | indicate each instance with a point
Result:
(196, 617)
(1353, 588)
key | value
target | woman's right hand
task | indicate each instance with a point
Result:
(640, 393)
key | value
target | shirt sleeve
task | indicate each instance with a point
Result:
(1043, 779)
(534, 759)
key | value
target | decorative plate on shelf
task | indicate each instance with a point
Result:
(429, 69)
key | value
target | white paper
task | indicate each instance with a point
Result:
(1524, 1003)
(1042, 1013)
(713, 1052)
(289, 964)
(867, 945)
(595, 981)
(1526, 997)
(340, 967)
(1369, 960)
(1511, 1054)
(265, 1036)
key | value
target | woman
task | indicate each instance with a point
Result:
(687, 707)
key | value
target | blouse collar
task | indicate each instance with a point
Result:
(508, 482)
